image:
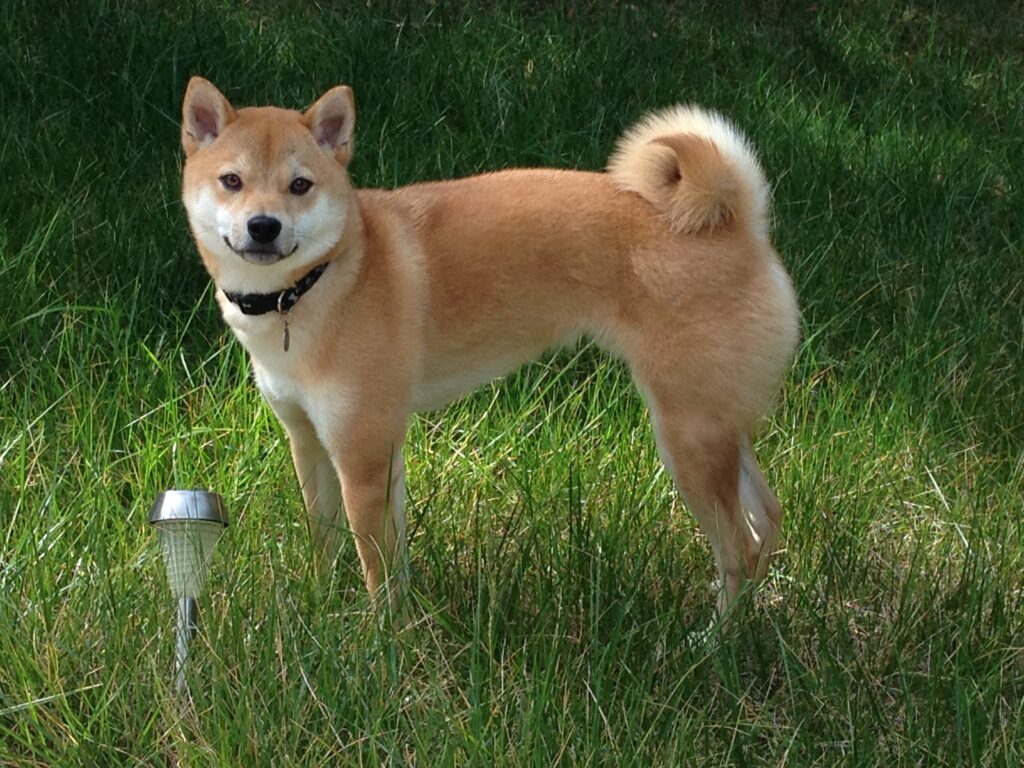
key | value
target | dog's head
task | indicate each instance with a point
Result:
(266, 189)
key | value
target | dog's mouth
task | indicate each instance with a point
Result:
(260, 254)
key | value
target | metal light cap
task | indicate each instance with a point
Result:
(179, 506)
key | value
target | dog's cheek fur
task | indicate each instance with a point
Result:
(204, 216)
(318, 229)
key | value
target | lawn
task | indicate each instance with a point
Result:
(556, 579)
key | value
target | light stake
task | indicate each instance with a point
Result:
(188, 523)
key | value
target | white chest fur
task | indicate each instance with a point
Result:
(287, 378)
(279, 373)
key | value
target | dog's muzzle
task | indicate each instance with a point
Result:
(262, 246)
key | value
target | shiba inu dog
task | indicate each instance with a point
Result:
(361, 307)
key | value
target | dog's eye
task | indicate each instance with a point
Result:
(231, 181)
(300, 186)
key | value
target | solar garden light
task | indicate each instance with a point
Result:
(188, 524)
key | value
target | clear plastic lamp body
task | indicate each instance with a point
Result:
(188, 548)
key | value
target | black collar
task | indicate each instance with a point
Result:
(281, 301)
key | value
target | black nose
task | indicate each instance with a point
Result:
(264, 229)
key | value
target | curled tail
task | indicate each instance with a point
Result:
(696, 168)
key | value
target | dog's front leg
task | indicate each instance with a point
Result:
(318, 481)
(373, 487)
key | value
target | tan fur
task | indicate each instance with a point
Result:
(435, 288)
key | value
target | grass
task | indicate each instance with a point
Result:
(556, 577)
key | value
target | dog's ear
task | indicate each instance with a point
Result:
(332, 121)
(204, 114)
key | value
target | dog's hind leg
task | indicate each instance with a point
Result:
(715, 471)
(761, 509)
